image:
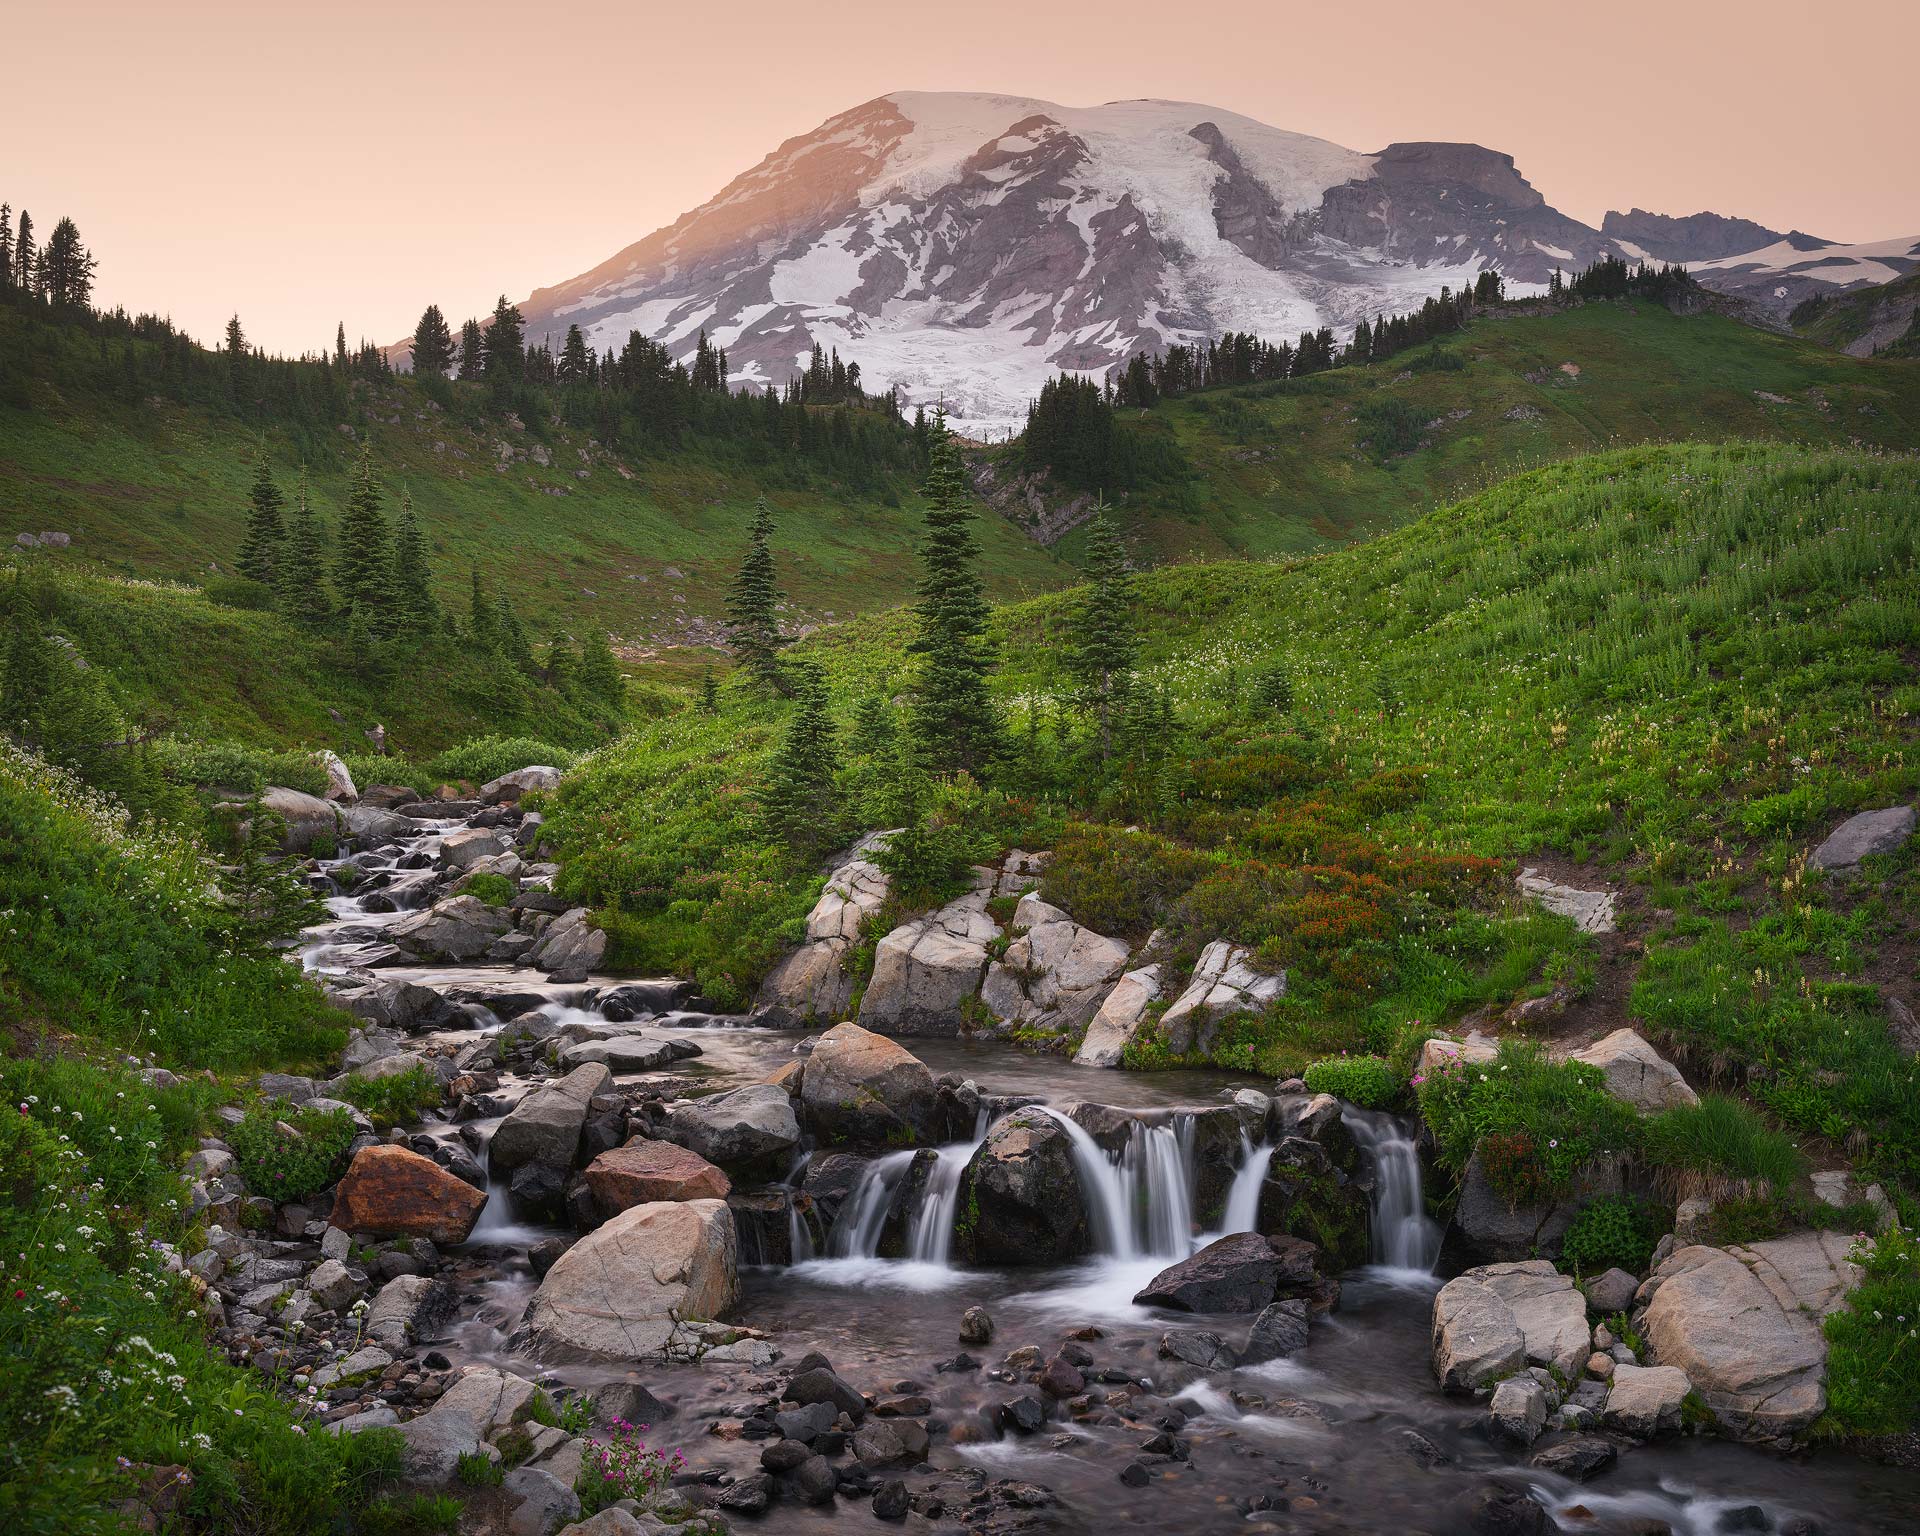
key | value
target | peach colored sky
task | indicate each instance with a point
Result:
(306, 163)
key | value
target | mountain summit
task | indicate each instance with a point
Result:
(964, 246)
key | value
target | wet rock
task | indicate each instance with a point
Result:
(1135, 1475)
(458, 928)
(644, 1170)
(1580, 1458)
(784, 1455)
(1499, 1232)
(1059, 1378)
(627, 1053)
(815, 1480)
(1223, 984)
(749, 1129)
(859, 1086)
(748, 1495)
(1025, 1414)
(1637, 1073)
(1023, 1195)
(544, 1127)
(1423, 1450)
(641, 1000)
(638, 1287)
(976, 1327)
(820, 1385)
(890, 1500)
(1744, 1324)
(807, 1424)
(1476, 1340)
(877, 1444)
(1518, 1412)
(1863, 836)
(1494, 1509)
(1232, 1274)
(1645, 1401)
(1197, 1347)
(406, 1310)
(389, 1191)
(1550, 1312)
(1278, 1331)
(570, 947)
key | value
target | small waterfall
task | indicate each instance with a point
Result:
(863, 1217)
(799, 1234)
(1139, 1205)
(930, 1233)
(1404, 1235)
(1243, 1196)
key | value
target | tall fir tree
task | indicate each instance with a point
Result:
(340, 345)
(1103, 639)
(67, 268)
(505, 342)
(263, 548)
(301, 577)
(6, 246)
(951, 717)
(797, 805)
(363, 567)
(753, 602)
(473, 350)
(600, 669)
(513, 637)
(24, 270)
(414, 610)
(482, 633)
(432, 344)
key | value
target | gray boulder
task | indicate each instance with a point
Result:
(1863, 836)
(925, 970)
(1645, 1400)
(751, 1127)
(307, 819)
(1279, 1331)
(459, 850)
(509, 787)
(459, 928)
(1055, 974)
(1518, 1412)
(1591, 911)
(1232, 1274)
(570, 947)
(1119, 1018)
(1224, 983)
(544, 1127)
(1476, 1340)
(1637, 1073)
(859, 1086)
(1548, 1309)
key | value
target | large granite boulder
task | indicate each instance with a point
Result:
(1637, 1073)
(1119, 1018)
(389, 1191)
(463, 849)
(340, 786)
(307, 820)
(1238, 1273)
(570, 947)
(480, 1403)
(544, 1127)
(1054, 974)
(859, 1086)
(925, 971)
(407, 1309)
(812, 983)
(1020, 1197)
(645, 1171)
(1862, 836)
(458, 928)
(509, 787)
(1224, 983)
(1476, 1338)
(750, 1129)
(636, 1288)
(391, 1003)
(1549, 1310)
(1645, 1400)
(1745, 1325)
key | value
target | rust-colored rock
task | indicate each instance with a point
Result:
(392, 1192)
(644, 1170)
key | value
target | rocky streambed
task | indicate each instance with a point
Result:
(952, 1287)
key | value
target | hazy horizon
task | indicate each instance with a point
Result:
(308, 167)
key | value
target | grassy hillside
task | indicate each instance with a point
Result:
(1670, 669)
(1287, 467)
(579, 537)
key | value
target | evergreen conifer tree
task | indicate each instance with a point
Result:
(797, 806)
(563, 663)
(67, 268)
(952, 718)
(709, 693)
(363, 568)
(414, 609)
(340, 345)
(6, 246)
(301, 576)
(1102, 636)
(505, 342)
(600, 669)
(482, 632)
(24, 269)
(473, 350)
(753, 623)
(264, 545)
(513, 638)
(432, 344)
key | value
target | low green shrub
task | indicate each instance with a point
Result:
(397, 1100)
(291, 1167)
(476, 1469)
(1721, 1146)
(1115, 880)
(1364, 1080)
(488, 757)
(1537, 1123)
(1612, 1232)
(494, 890)
(1873, 1357)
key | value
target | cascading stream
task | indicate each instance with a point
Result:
(863, 1217)
(1242, 1213)
(930, 1235)
(1140, 1206)
(1404, 1235)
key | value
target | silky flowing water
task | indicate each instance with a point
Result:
(1320, 1440)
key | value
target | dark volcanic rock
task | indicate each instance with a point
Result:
(1580, 1458)
(1233, 1274)
(1023, 1195)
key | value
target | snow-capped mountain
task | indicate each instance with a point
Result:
(965, 247)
